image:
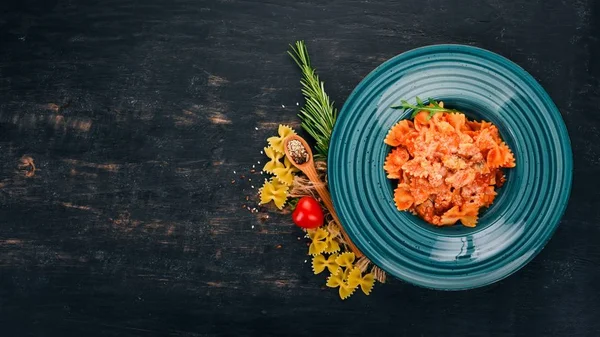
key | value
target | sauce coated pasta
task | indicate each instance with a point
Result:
(447, 167)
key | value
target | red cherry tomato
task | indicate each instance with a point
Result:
(308, 213)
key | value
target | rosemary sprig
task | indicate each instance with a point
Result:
(432, 106)
(318, 114)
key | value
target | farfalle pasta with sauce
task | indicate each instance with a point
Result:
(447, 167)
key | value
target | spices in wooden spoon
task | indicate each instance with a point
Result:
(297, 151)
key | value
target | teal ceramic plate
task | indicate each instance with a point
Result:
(528, 207)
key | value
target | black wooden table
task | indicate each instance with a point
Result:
(123, 124)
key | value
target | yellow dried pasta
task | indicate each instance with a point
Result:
(317, 234)
(274, 191)
(285, 174)
(317, 247)
(334, 280)
(319, 263)
(366, 282)
(332, 245)
(348, 277)
(277, 142)
(345, 259)
(347, 281)
(274, 161)
(319, 243)
(345, 290)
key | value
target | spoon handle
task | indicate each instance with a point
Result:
(311, 173)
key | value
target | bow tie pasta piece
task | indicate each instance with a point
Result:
(317, 234)
(484, 140)
(319, 263)
(451, 216)
(489, 195)
(285, 174)
(334, 280)
(507, 155)
(340, 280)
(276, 143)
(500, 156)
(457, 121)
(494, 157)
(403, 198)
(345, 259)
(354, 277)
(317, 247)
(332, 245)
(273, 191)
(399, 133)
(319, 243)
(469, 220)
(394, 161)
(274, 161)
(421, 121)
(346, 291)
(366, 282)
(467, 216)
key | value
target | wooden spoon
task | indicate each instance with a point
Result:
(308, 168)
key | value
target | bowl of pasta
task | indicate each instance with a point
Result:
(450, 167)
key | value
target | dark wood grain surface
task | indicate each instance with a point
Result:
(137, 113)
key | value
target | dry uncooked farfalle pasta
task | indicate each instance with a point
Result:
(345, 274)
(366, 282)
(274, 161)
(285, 174)
(276, 142)
(319, 263)
(330, 242)
(345, 259)
(340, 280)
(319, 241)
(334, 280)
(274, 191)
(345, 290)
(277, 189)
(348, 279)
(333, 246)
